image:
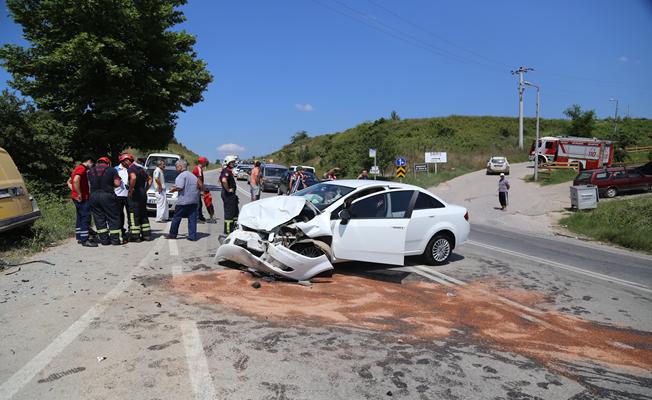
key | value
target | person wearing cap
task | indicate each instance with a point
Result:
(503, 189)
(139, 181)
(103, 180)
(162, 210)
(229, 197)
(202, 162)
(80, 193)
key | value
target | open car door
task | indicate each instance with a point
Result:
(377, 229)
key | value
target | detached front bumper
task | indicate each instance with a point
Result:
(273, 258)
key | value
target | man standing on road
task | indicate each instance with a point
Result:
(189, 188)
(162, 212)
(139, 181)
(255, 181)
(122, 196)
(503, 189)
(202, 162)
(78, 184)
(103, 180)
(229, 197)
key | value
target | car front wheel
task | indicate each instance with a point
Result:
(611, 192)
(439, 249)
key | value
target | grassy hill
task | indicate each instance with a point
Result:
(468, 140)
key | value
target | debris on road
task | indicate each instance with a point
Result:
(256, 285)
(101, 358)
(158, 304)
(305, 283)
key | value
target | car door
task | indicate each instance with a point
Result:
(376, 231)
(427, 210)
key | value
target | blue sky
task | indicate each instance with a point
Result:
(326, 65)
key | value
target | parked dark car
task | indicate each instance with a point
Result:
(284, 186)
(615, 180)
(272, 176)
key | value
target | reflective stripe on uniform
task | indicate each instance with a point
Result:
(103, 230)
(146, 227)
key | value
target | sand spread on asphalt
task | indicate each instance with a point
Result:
(426, 311)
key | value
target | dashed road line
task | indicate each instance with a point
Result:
(24, 375)
(577, 270)
(174, 249)
(200, 377)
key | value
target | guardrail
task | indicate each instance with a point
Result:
(639, 149)
(574, 165)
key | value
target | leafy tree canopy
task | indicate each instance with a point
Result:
(582, 122)
(112, 70)
(299, 136)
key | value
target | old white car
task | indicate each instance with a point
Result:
(302, 235)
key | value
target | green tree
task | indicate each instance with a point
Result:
(582, 122)
(113, 70)
(394, 116)
(36, 142)
(299, 136)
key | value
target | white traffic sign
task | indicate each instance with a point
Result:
(374, 170)
(436, 157)
(372, 153)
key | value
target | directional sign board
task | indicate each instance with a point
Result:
(436, 157)
(400, 172)
(372, 153)
(421, 167)
(400, 162)
(374, 170)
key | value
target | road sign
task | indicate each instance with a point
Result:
(374, 170)
(372, 153)
(400, 162)
(421, 167)
(400, 172)
(436, 157)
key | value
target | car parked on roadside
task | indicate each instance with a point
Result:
(244, 170)
(17, 207)
(293, 168)
(284, 185)
(497, 164)
(272, 175)
(302, 235)
(170, 175)
(612, 181)
(153, 159)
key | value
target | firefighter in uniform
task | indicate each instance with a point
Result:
(139, 181)
(229, 197)
(104, 206)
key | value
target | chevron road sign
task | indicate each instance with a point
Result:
(400, 172)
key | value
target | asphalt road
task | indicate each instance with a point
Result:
(512, 316)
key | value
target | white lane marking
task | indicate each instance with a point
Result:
(246, 193)
(431, 277)
(177, 270)
(439, 274)
(24, 375)
(174, 249)
(592, 274)
(200, 377)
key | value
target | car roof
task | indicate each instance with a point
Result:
(607, 169)
(358, 183)
(275, 166)
(163, 155)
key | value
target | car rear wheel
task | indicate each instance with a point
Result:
(439, 249)
(611, 192)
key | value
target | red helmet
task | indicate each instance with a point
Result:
(202, 160)
(126, 156)
(104, 160)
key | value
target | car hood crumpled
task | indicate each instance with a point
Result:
(266, 214)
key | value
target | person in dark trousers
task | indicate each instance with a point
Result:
(103, 180)
(122, 197)
(78, 184)
(229, 197)
(202, 162)
(189, 188)
(503, 190)
(139, 181)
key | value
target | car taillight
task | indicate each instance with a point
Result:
(466, 216)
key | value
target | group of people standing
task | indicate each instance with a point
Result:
(104, 192)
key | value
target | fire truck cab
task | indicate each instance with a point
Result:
(589, 152)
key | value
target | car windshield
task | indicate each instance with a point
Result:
(274, 171)
(169, 174)
(152, 161)
(323, 195)
(584, 176)
(498, 160)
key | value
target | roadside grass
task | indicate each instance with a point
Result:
(623, 221)
(554, 177)
(429, 180)
(57, 222)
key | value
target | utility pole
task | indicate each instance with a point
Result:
(615, 115)
(520, 71)
(536, 142)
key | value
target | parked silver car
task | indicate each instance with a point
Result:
(498, 164)
(170, 176)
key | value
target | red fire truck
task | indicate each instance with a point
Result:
(589, 152)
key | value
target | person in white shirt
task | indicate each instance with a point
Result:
(162, 211)
(122, 194)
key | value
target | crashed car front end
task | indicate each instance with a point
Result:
(271, 238)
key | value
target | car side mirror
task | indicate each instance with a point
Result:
(345, 216)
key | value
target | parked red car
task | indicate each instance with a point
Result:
(615, 180)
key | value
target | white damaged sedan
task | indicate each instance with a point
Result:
(300, 236)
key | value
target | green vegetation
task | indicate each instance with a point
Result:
(468, 140)
(554, 177)
(429, 180)
(57, 223)
(623, 221)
